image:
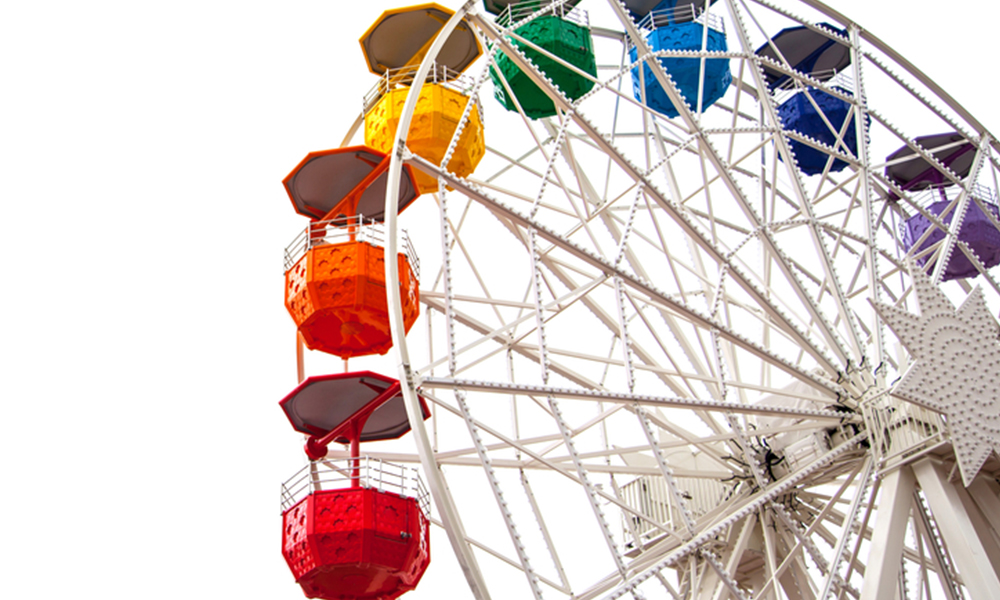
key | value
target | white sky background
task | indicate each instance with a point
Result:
(142, 220)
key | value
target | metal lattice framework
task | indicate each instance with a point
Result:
(652, 346)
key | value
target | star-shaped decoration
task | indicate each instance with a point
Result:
(955, 369)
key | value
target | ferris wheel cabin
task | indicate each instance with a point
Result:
(335, 286)
(335, 269)
(821, 52)
(682, 25)
(824, 118)
(561, 30)
(939, 196)
(355, 528)
(394, 46)
(440, 108)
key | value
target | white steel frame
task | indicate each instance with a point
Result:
(650, 343)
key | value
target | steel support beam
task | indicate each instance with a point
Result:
(958, 530)
(886, 552)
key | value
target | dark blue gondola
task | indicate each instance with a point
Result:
(798, 114)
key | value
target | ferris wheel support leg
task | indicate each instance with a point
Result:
(735, 552)
(958, 529)
(882, 571)
(987, 501)
(983, 527)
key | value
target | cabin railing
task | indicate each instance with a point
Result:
(347, 229)
(515, 13)
(686, 13)
(343, 473)
(403, 77)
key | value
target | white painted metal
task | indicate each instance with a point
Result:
(882, 570)
(960, 536)
(671, 328)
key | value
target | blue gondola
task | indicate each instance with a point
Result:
(680, 25)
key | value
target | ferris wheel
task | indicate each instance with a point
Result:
(706, 307)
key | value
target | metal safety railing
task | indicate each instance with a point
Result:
(515, 13)
(347, 229)
(345, 473)
(438, 75)
(649, 496)
(951, 192)
(792, 84)
(842, 80)
(900, 431)
(686, 13)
